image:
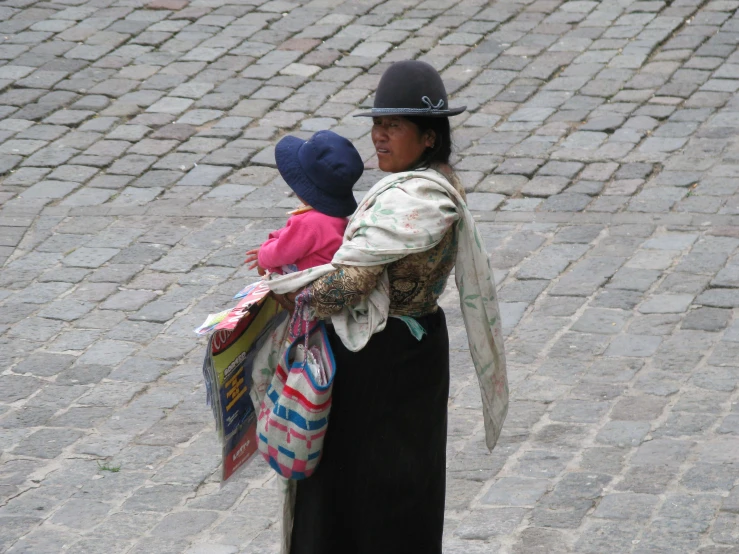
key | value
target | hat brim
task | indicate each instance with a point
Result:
(409, 112)
(288, 164)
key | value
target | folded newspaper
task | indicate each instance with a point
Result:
(237, 335)
(250, 295)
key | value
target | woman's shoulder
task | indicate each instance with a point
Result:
(422, 183)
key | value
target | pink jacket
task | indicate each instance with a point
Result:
(307, 240)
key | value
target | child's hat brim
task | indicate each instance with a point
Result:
(321, 172)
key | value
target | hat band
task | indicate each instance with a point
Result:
(408, 110)
(425, 99)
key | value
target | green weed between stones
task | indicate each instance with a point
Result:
(107, 467)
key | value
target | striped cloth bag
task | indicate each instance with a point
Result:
(293, 417)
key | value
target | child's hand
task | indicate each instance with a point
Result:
(252, 257)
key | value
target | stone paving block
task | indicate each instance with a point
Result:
(522, 291)
(658, 260)
(655, 324)
(49, 189)
(228, 156)
(661, 537)
(41, 364)
(159, 544)
(535, 539)
(82, 375)
(519, 166)
(662, 452)
(638, 408)
(169, 348)
(157, 179)
(598, 320)
(484, 201)
(628, 278)
(582, 346)
(732, 333)
(707, 319)
(612, 371)
(561, 515)
(578, 234)
(204, 175)
(16, 387)
(107, 352)
(159, 311)
(88, 197)
(603, 460)
(157, 498)
(134, 196)
(724, 531)
(671, 242)
(502, 184)
(75, 173)
(227, 191)
(66, 309)
(47, 443)
(685, 425)
(132, 164)
(89, 257)
(128, 300)
(543, 463)
(721, 379)
(477, 526)
(709, 477)
(39, 540)
(587, 276)
(140, 369)
(633, 346)
(719, 298)
(551, 261)
(578, 411)
(667, 303)
(544, 186)
(627, 506)
(727, 277)
(80, 514)
(516, 491)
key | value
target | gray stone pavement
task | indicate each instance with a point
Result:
(601, 154)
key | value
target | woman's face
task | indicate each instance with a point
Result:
(398, 142)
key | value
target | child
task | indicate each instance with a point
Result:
(321, 171)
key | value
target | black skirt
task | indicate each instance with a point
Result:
(379, 487)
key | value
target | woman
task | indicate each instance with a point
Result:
(380, 483)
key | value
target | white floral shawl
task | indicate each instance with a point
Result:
(402, 214)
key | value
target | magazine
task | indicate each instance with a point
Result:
(237, 335)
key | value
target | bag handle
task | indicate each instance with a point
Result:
(301, 323)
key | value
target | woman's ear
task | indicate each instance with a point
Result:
(430, 139)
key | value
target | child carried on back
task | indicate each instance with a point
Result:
(321, 171)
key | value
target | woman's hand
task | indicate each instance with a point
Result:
(287, 300)
(252, 257)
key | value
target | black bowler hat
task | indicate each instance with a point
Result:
(321, 171)
(412, 88)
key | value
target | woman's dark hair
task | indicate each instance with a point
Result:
(442, 149)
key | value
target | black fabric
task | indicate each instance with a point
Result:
(379, 487)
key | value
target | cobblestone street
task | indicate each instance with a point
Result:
(600, 152)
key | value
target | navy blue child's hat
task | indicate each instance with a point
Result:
(321, 171)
